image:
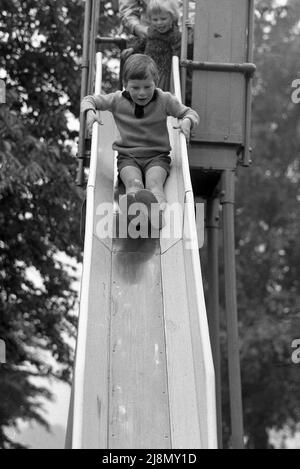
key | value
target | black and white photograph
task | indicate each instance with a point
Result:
(149, 228)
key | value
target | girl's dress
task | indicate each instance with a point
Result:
(160, 47)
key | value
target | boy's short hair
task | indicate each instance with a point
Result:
(140, 67)
(159, 6)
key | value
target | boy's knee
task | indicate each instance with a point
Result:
(151, 181)
(131, 178)
(135, 182)
(154, 182)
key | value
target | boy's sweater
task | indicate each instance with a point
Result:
(145, 136)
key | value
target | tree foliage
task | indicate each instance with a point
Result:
(40, 206)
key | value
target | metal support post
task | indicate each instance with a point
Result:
(236, 410)
(212, 226)
(184, 45)
(246, 159)
(92, 51)
(91, 20)
(245, 68)
(83, 91)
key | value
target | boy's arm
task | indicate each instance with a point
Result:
(189, 117)
(101, 102)
(90, 104)
(176, 109)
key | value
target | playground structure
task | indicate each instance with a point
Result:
(147, 369)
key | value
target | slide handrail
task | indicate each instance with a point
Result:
(190, 234)
(85, 282)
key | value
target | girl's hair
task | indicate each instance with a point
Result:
(140, 67)
(162, 6)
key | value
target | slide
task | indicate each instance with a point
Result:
(143, 375)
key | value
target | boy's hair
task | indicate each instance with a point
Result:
(162, 6)
(140, 67)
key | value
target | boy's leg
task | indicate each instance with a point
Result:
(132, 178)
(155, 179)
(153, 196)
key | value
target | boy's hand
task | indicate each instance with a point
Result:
(185, 127)
(91, 117)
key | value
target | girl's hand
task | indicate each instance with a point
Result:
(141, 31)
(185, 128)
(91, 117)
(127, 53)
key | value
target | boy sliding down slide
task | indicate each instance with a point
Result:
(140, 113)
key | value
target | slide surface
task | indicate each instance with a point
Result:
(143, 375)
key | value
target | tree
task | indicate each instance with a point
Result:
(40, 51)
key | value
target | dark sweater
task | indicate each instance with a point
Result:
(146, 136)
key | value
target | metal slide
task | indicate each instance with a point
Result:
(144, 375)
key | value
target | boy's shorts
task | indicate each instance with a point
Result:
(144, 163)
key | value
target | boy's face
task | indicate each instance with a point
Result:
(162, 21)
(141, 91)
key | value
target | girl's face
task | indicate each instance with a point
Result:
(141, 91)
(162, 21)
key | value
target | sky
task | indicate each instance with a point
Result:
(56, 412)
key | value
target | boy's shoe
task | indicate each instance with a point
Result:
(154, 212)
(124, 218)
(157, 217)
(125, 201)
(136, 219)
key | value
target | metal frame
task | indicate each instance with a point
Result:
(213, 227)
(83, 92)
(184, 44)
(247, 69)
(246, 161)
(225, 195)
(235, 390)
(91, 21)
